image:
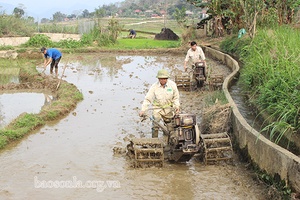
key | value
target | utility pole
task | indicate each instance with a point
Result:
(38, 23)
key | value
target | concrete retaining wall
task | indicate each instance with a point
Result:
(56, 37)
(267, 155)
(13, 41)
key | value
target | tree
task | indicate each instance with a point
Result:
(30, 19)
(72, 16)
(251, 9)
(18, 12)
(77, 13)
(114, 28)
(58, 16)
(286, 10)
(45, 20)
(180, 16)
(249, 13)
(85, 13)
(100, 12)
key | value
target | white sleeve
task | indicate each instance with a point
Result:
(187, 57)
(148, 99)
(202, 56)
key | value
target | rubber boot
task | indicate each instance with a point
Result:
(154, 133)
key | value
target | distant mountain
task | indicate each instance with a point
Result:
(128, 7)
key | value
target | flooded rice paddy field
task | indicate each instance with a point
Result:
(73, 158)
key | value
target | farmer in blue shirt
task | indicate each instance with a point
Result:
(52, 56)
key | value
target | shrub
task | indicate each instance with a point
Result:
(39, 40)
(69, 44)
(12, 26)
(3, 141)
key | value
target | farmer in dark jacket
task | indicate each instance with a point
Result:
(132, 33)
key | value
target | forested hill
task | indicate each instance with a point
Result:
(131, 8)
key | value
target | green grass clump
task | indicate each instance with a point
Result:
(7, 63)
(3, 140)
(20, 127)
(216, 96)
(235, 46)
(68, 43)
(28, 120)
(40, 40)
(11, 134)
(69, 91)
(52, 114)
(5, 48)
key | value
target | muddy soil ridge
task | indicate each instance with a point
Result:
(26, 82)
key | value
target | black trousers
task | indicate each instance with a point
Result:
(54, 63)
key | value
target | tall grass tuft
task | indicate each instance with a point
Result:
(104, 35)
(271, 74)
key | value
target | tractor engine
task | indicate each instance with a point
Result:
(185, 138)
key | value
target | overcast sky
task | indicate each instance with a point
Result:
(40, 8)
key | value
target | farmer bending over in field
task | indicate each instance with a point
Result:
(132, 33)
(52, 56)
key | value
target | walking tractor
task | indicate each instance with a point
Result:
(179, 144)
(197, 77)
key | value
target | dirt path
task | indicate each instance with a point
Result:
(145, 22)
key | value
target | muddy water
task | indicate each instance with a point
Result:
(14, 104)
(246, 111)
(257, 122)
(64, 159)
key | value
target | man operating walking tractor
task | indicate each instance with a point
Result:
(194, 69)
(180, 131)
(164, 97)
